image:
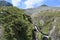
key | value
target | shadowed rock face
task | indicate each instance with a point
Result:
(5, 3)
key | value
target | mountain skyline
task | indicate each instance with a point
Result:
(24, 4)
(5, 3)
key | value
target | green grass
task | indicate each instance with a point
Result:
(16, 24)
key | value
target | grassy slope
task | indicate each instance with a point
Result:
(15, 24)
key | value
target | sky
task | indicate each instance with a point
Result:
(24, 4)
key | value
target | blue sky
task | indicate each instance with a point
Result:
(33, 3)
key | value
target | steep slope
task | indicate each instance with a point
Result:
(14, 24)
(48, 22)
(5, 3)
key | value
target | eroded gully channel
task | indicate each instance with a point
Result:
(46, 37)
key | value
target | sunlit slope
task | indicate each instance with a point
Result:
(46, 21)
(41, 9)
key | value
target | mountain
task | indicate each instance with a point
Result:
(5, 3)
(42, 23)
(40, 9)
(47, 19)
(43, 5)
(14, 24)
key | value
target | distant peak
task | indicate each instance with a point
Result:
(5, 3)
(44, 5)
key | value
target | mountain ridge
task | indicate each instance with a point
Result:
(41, 8)
(5, 3)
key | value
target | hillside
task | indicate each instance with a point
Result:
(14, 24)
(47, 20)
(5, 3)
(42, 23)
(40, 9)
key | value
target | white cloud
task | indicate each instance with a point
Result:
(16, 2)
(26, 3)
(31, 3)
